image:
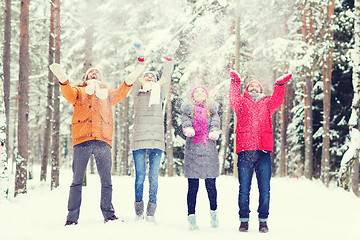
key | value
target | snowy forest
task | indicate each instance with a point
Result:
(316, 130)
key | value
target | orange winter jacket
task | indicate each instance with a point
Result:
(93, 118)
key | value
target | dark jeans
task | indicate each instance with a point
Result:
(248, 162)
(193, 187)
(102, 154)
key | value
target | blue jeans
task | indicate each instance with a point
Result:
(248, 161)
(140, 172)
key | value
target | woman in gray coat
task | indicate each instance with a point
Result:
(148, 134)
(201, 126)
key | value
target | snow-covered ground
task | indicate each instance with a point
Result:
(299, 209)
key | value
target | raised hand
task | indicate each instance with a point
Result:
(58, 72)
(234, 75)
(139, 51)
(283, 79)
(131, 78)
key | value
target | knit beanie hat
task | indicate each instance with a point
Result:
(153, 73)
(199, 86)
(255, 81)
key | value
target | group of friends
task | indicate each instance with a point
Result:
(92, 132)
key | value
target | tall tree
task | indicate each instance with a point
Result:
(327, 68)
(55, 163)
(49, 105)
(237, 68)
(5, 105)
(23, 104)
(308, 37)
(168, 136)
(352, 154)
(283, 125)
(6, 67)
(126, 138)
(4, 177)
(115, 163)
(89, 35)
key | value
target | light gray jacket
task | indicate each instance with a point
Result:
(201, 161)
(148, 130)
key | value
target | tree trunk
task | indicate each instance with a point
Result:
(225, 135)
(325, 157)
(283, 123)
(89, 35)
(23, 93)
(6, 70)
(169, 145)
(4, 176)
(55, 164)
(307, 90)
(5, 106)
(126, 138)
(116, 141)
(355, 177)
(49, 107)
(237, 68)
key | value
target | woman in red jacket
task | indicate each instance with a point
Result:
(254, 142)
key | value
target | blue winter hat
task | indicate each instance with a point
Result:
(151, 72)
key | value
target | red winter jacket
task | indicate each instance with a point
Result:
(254, 124)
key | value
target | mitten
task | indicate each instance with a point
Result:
(283, 79)
(91, 86)
(139, 51)
(172, 49)
(101, 93)
(131, 78)
(90, 89)
(189, 131)
(58, 72)
(146, 87)
(234, 75)
(214, 135)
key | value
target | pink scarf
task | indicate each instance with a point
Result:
(200, 124)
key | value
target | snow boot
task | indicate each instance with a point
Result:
(150, 212)
(112, 218)
(70, 223)
(214, 219)
(244, 226)
(263, 228)
(139, 210)
(192, 222)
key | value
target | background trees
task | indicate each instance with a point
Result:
(312, 39)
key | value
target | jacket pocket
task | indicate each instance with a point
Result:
(107, 128)
(81, 128)
(267, 141)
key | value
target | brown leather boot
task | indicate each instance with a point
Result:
(244, 226)
(263, 228)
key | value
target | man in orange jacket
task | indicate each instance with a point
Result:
(92, 129)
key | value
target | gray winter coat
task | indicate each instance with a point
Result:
(201, 161)
(148, 130)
